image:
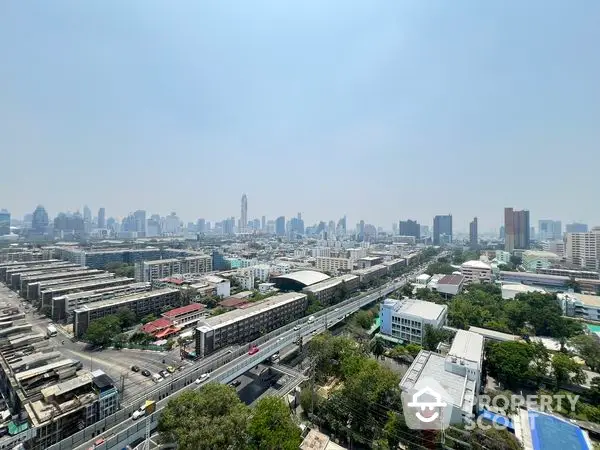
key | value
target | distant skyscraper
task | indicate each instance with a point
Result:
(244, 213)
(39, 220)
(473, 237)
(549, 230)
(501, 236)
(341, 227)
(442, 226)
(87, 214)
(4, 222)
(516, 229)
(140, 221)
(101, 218)
(576, 227)
(280, 226)
(410, 228)
(201, 226)
(263, 223)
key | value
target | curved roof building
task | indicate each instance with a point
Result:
(296, 281)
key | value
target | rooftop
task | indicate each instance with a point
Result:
(495, 335)
(587, 300)
(539, 254)
(432, 365)
(258, 308)
(371, 269)
(330, 283)
(184, 310)
(305, 277)
(417, 308)
(232, 302)
(475, 264)
(452, 279)
(468, 346)
(127, 299)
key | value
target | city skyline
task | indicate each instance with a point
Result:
(439, 97)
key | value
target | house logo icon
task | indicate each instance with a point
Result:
(427, 406)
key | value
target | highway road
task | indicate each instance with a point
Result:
(118, 430)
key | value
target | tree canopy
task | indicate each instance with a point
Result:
(102, 331)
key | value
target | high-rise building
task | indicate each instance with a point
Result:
(297, 225)
(263, 223)
(410, 228)
(140, 222)
(39, 220)
(583, 249)
(244, 214)
(502, 232)
(516, 229)
(576, 227)
(280, 226)
(4, 222)
(201, 226)
(101, 218)
(549, 230)
(442, 229)
(87, 214)
(473, 237)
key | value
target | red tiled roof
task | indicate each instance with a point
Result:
(232, 302)
(166, 332)
(156, 325)
(184, 310)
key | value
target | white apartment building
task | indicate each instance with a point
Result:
(557, 247)
(583, 249)
(163, 268)
(333, 265)
(476, 272)
(356, 253)
(261, 272)
(406, 319)
(245, 278)
(321, 252)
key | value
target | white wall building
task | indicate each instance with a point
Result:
(583, 249)
(535, 259)
(580, 305)
(502, 256)
(476, 272)
(406, 319)
(261, 272)
(557, 247)
(245, 278)
(321, 252)
(333, 265)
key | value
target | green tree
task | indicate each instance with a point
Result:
(413, 349)
(565, 370)
(377, 347)
(127, 317)
(433, 336)
(271, 426)
(509, 361)
(206, 419)
(407, 290)
(149, 318)
(437, 267)
(494, 439)
(364, 319)
(102, 331)
(589, 349)
(595, 390)
(572, 284)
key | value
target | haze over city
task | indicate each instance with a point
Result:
(377, 110)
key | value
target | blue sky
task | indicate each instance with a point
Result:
(380, 110)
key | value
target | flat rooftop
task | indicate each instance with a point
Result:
(368, 270)
(494, 335)
(432, 365)
(467, 345)
(259, 308)
(330, 283)
(416, 308)
(454, 280)
(84, 284)
(126, 299)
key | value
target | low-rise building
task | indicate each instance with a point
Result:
(476, 272)
(535, 279)
(422, 280)
(502, 257)
(557, 247)
(395, 265)
(187, 315)
(406, 319)
(326, 291)
(511, 290)
(580, 305)
(447, 284)
(535, 259)
(244, 325)
(585, 274)
(369, 261)
(371, 273)
(459, 373)
(141, 304)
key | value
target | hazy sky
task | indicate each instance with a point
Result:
(378, 109)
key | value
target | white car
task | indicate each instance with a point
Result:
(296, 328)
(140, 412)
(336, 309)
(203, 377)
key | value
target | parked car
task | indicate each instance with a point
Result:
(146, 373)
(156, 377)
(235, 383)
(164, 374)
(203, 377)
(296, 328)
(135, 368)
(171, 369)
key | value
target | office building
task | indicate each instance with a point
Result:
(101, 218)
(473, 234)
(535, 259)
(442, 230)
(244, 214)
(576, 227)
(583, 249)
(141, 304)
(446, 284)
(549, 230)
(557, 247)
(516, 229)
(409, 228)
(39, 220)
(333, 290)
(244, 325)
(163, 268)
(371, 273)
(552, 282)
(280, 226)
(87, 214)
(476, 272)
(369, 261)
(4, 222)
(405, 320)
(333, 265)
(459, 372)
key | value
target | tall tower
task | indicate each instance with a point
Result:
(101, 218)
(473, 234)
(244, 214)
